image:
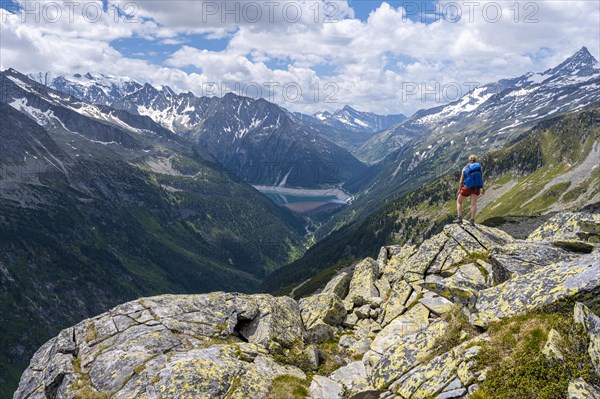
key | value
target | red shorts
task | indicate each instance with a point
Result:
(466, 191)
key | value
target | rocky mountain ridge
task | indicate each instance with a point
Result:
(93, 88)
(352, 119)
(255, 140)
(348, 127)
(98, 88)
(414, 323)
(491, 114)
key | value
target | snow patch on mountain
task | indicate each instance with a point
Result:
(41, 118)
(94, 88)
(350, 119)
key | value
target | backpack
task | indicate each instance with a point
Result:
(473, 175)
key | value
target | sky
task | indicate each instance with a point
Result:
(306, 55)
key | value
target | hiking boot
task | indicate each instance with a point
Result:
(458, 220)
(472, 221)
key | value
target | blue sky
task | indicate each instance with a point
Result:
(363, 8)
(364, 51)
(158, 52)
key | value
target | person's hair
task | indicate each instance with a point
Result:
(472, 158)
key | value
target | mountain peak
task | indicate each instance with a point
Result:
(584, 57)
(168, 91)
(148, 89)
(12, 71)
(349, 118)
(584, 50)
(582, 63)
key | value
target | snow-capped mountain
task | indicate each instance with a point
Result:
(351, 119)
(348, 127)
(58, 111)
(94, 88)
(177, 112)
(53, 110)
(582, 63)
(491, 114)
(254, 139)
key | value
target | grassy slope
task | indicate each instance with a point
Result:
(553, 148)
(513, 359)
(560, 146)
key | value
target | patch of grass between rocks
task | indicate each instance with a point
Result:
(288, 387)
(517, 368)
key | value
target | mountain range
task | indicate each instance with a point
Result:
(348, 127)
(253, 139)
(491, 114)
(350, 119)
(98, 88)
(94, 88)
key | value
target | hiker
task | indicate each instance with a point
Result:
(471, 185)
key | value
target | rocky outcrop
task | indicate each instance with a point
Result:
(575, 231)
(338, 285)
(362, 285)
(384, 320)
(323, 387)
(404, 355)
(577, 279)
(353, 377)
(324, 308)
(522, 257)
(205, 346)
(416, 319)
(445, 375)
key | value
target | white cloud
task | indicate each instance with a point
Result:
(219, 16)
(367, 64)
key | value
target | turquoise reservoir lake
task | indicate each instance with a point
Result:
(282, 199)
(305, 201)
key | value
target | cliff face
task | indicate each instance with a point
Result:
(418, 322)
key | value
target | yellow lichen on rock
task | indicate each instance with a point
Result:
(579, 389)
